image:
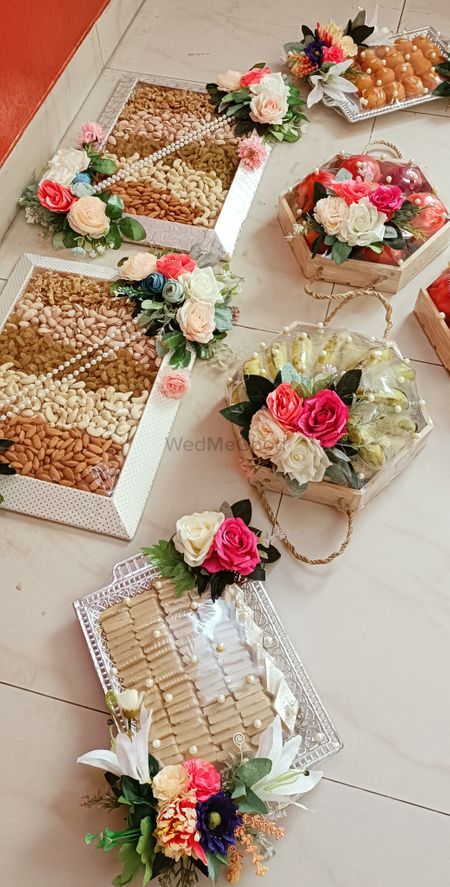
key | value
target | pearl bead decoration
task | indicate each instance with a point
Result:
(257, 723)
(193, 750)
(168, 697)
(156, 743)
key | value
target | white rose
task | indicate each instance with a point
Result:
(364, 224)
(269, 108)
(201, 284)
(331, 213)
(65, 165)
(129, 702)
(195, 533)
(229, 81)
(302, 459)
(266, 436)
(271, 83)
(138, 267)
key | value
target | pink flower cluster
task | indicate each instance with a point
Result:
(234, 548)
(323, 416)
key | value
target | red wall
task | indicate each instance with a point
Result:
(37, 39)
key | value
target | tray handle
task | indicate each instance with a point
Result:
(377, 146)
(343, 298)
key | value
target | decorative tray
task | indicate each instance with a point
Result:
(255, 660)
(350, 107)
(199, 195)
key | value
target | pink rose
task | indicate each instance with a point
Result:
(268, 108)
(174, 383)
(333, 54)
(387, 198)
(234, 548)
(203, 778)
(252, 152)
(324, 417)
(285, 405)
(351, 190)
(55, 197)
(90, 133)
(174, 264)
(254, 76)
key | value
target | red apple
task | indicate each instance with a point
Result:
(388, 256)
(305, 189)
(310, 237)
(362, 165)
(408, 177)
(432, 215)
(440, 293)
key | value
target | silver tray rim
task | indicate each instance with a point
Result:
(350, 109)
(131, 575)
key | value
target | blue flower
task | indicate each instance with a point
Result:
(82, 177)
(217, 821)
(78, 251)
(314, 51)
(154, 283)
(82, 189)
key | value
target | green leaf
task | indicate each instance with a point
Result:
(258, 388)
(181, 356)
(442, 90)
(269, 554)
(70, 239)
(252, 804)
(151, 305)
(146, 848)
(171, 565)
(340, 252)
(376, 247)
(114, 237)
(319, 192)
(103, 165)
(329, 239)
(443, 68)
(243, 509)
(254, 770)
(131, 863)
(240, 413)
(131, 228)
(172, 339)
(337, 455)
(348, 385)
(58, 240)
(223, 318)
(238, 791)
(343, 175)
(114, 206)
(214, 866)
(317, 244)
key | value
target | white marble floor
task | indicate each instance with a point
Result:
(372, 628)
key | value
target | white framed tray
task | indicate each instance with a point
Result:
(222, 238)
(117, 514)
(272, 652)
(350, 107)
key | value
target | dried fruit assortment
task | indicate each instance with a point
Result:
(75, 374)
(188, 186)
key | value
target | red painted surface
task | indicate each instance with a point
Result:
(37, 39)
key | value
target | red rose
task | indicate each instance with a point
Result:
(174, 264)
(387, 199)
(432, 215)
(351, 190)
(440, 292)
(54, 197)
(234, 548)
(305, 189)
(285, 405)
(324, 417)
(250, 78)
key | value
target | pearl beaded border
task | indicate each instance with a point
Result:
(207, 129)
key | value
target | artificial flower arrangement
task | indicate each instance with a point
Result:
(360, 207)
(259, 101)
(213, 549)
(65, 203)
(319, 405)
(183, 301)
(325, 55)
(187, 818)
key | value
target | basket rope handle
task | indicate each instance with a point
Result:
(291, 548)
(377, 143)
(343, 298)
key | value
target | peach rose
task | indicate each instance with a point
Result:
(88, 216)
(268, 108)
(171, 781)
(229, 81)
(196, 321)
(138, 267)
(175, 384)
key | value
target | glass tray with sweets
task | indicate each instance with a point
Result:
(214, 673)
(198, 194)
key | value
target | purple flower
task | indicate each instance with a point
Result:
(314, 52)
(217, 821)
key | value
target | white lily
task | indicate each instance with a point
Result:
(130, 757)
(379, 36)
(282, 782)
(331, 84)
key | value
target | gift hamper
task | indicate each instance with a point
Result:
(432, 310)
(327, 414)
(365, 220)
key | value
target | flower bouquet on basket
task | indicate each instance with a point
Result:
(191, 817)
(213, 549)
(326, 414)
(64, 200)
(183, 300)
(259, 101)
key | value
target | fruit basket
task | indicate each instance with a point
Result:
(326, 414)
(364, 220)
(198, 194)
(81, 398)
(432, 310)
